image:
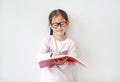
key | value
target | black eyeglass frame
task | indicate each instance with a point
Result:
(61, 24)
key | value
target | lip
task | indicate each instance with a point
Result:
(59, 30)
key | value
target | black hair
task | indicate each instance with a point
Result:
(56, 13)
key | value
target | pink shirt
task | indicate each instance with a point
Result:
(61, 73)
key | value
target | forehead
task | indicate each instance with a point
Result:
(58, 18)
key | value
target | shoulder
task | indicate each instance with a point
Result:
(46, 39)
(71, 41)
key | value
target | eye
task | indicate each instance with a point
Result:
(54, 24)
(63, 23)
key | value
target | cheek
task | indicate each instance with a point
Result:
(65, 29)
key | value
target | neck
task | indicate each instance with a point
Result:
(59, 37)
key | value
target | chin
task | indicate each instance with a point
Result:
(60, 34)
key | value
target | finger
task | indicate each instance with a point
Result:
(54, 62)
(65, 60)
(58, 61)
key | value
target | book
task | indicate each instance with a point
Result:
(48, 62)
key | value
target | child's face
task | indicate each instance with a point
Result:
(59, 25)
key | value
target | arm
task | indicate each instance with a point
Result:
(43, 53)
(72, 52)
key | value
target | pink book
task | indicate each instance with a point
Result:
(48, 62)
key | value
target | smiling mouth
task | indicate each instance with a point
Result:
(59, 30)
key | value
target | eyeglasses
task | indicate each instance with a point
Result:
(61, 24)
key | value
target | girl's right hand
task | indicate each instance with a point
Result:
(55, 53)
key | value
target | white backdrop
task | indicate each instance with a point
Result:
(94, 25)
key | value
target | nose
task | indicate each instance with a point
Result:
(59, 26)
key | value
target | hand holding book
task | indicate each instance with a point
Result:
(63, 58)
(57, 61)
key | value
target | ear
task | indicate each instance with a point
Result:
(50, 26)
(67, 24)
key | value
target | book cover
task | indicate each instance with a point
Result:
(48, 62)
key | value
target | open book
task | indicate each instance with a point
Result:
(48, 62)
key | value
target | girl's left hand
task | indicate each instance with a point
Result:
(60, 62)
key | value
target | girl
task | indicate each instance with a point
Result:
(56, 44)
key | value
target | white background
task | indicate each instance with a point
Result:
(94, 25)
